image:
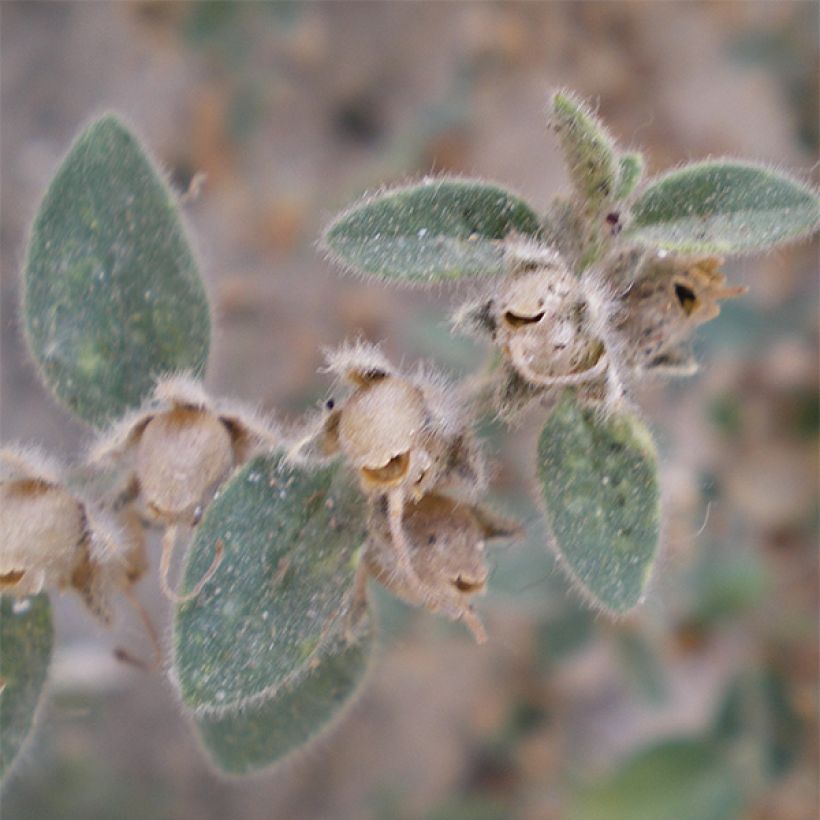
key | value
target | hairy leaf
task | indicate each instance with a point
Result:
(630, 171)
(269, 730)
(668, 781)
(588, 150)
(26, 636)
(113, 298)
(280, 594)
(435, 230)
(723, 206)
(599, 483)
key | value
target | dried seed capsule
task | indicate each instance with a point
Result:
(53, 538)
(660, 310)
(446, 541)
(406, 433)
(183, 453)
(380, 429)
(546, 321)
(42, 527)
(544, 326)
(179, 448)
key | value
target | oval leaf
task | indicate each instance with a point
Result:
(113, 298)
(270, 730)
(723, 207)
(598, 479)
(588, 150)
(26, 637)
(282, 591)
(438, 229)
(668, 781)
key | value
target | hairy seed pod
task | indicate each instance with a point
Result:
(177, 450)
(380, 427)
(543, 325)
(53, 537)
(660, 310)
(446, 546)
(401, 433)
(182, 455)
(180, 446)
(41, 528)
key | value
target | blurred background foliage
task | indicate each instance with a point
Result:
(704, 704)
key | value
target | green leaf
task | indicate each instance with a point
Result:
(723, 206)
(630, 171)
(588, 150)
(113, 298)
(26, 636)
(599, 483)
(269, 730)
(281, 593)
(675, 779)
(438, 229)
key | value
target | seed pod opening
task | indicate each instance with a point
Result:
(660, 310)
(544, 326)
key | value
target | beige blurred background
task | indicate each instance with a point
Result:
(292, 109)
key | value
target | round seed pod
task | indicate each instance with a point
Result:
(543, 325)
(447, 549)
(183, 453)
(380, 427)
(669, 298)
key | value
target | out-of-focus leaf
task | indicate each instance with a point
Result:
(436, 230)
(643, 667)
(26, 637)
(267, 731)
(599, 483)
(758, 714)
(281, 593)
(113, 298)
(723, 207)
(588, 150)
(674, 780)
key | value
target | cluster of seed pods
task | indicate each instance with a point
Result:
(408, 437)
(598, 332)
(164, 462)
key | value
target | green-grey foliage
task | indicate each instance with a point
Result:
(26, 636)
(264, 732)
(630, 171)
(675, 779)
(723, 206)
(267, 654)
(588, 150)
(757, 715)
(599, 484)
(280, 595)
(435, 230)
(113, 298)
